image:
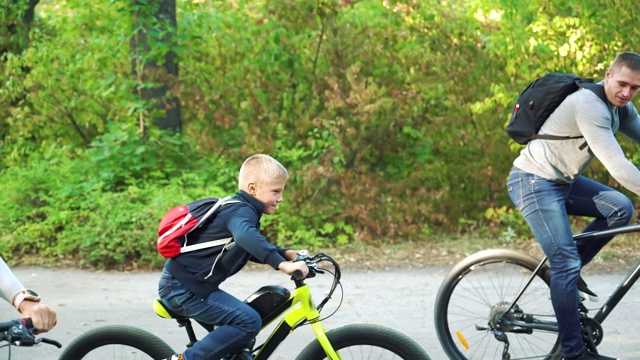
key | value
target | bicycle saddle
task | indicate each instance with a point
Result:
(164, 312)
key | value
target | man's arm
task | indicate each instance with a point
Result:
(44, 317)
(9, 283)
(596, 128)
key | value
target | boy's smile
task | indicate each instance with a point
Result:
(269, 193)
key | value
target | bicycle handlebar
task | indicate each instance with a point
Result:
(312, 265)
(22, 333)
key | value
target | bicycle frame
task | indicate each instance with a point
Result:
(294, 317)
(613, 300)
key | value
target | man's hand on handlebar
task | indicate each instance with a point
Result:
(44, 318)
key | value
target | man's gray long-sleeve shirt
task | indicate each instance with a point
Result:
(583, 113)
(9, 283)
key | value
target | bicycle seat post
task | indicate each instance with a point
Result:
(186, 323)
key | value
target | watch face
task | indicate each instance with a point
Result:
(31, 296)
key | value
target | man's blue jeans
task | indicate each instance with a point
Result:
(545, 205)
(237, 324)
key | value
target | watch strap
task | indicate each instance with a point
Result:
(25, 295)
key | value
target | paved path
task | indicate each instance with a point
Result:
(398, 298)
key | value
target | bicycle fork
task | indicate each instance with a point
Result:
(321, 335)
(308, 308)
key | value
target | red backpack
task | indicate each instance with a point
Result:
(181, 220)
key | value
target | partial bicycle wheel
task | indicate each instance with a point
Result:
(473, 298)
(116, 342)
(366, 341)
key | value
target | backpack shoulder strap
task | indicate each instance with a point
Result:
(598, 89)
(623, 113)
(218, 204)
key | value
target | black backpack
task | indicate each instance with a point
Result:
(538, 100)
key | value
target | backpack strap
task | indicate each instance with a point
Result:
(585, 83)
(219, 203)
(598, 89)
(205, 245)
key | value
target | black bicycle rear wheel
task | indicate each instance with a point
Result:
(116, 342)
(476, 293)
(366, 341)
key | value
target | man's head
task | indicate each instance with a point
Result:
(622, 79)
(264, 178)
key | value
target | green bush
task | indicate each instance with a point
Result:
(389, 116)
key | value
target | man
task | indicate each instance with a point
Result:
(546, 185)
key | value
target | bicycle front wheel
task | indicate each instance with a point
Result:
(366, 341)
(471, 306)
(116, 342)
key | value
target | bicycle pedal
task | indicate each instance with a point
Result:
(585, 296)
(585, 292)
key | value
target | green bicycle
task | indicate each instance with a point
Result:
(297, 309)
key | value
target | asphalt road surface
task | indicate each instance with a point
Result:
(402, 299)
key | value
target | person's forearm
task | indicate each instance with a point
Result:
(9, 283)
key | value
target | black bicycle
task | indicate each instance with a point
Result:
(292, 310)
(21, 333)
(496, 304)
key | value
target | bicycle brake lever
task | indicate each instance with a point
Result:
(20, 335)
(49, 341)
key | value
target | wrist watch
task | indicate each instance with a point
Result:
(25, 295)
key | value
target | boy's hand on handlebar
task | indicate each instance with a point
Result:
(293, 254)
(290, 268)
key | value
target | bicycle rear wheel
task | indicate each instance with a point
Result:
(366, 341)
(116, 342)
(474, 297)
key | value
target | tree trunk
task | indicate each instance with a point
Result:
(16, 17)
(156, 69)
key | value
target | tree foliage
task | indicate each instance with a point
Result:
(389, 115)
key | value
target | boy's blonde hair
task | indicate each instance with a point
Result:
(260, 169)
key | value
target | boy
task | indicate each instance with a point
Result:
(189, 284)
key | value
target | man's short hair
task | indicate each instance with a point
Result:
(627, 59)
(260, 169)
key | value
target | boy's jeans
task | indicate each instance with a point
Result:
(237, 323)
(545, 206)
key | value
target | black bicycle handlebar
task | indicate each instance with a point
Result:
(22, 333)
(312, 265)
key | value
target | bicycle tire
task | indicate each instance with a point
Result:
(366, 341)
(479, 289)
(116, 342)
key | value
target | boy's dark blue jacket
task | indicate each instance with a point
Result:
(238, 220)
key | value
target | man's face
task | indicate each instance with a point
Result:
(621, 85)
(269, 193)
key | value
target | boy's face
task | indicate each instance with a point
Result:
(270, 193)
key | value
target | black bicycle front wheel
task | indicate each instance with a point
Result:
(474, 297)
(116, 342)
(366, 341)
